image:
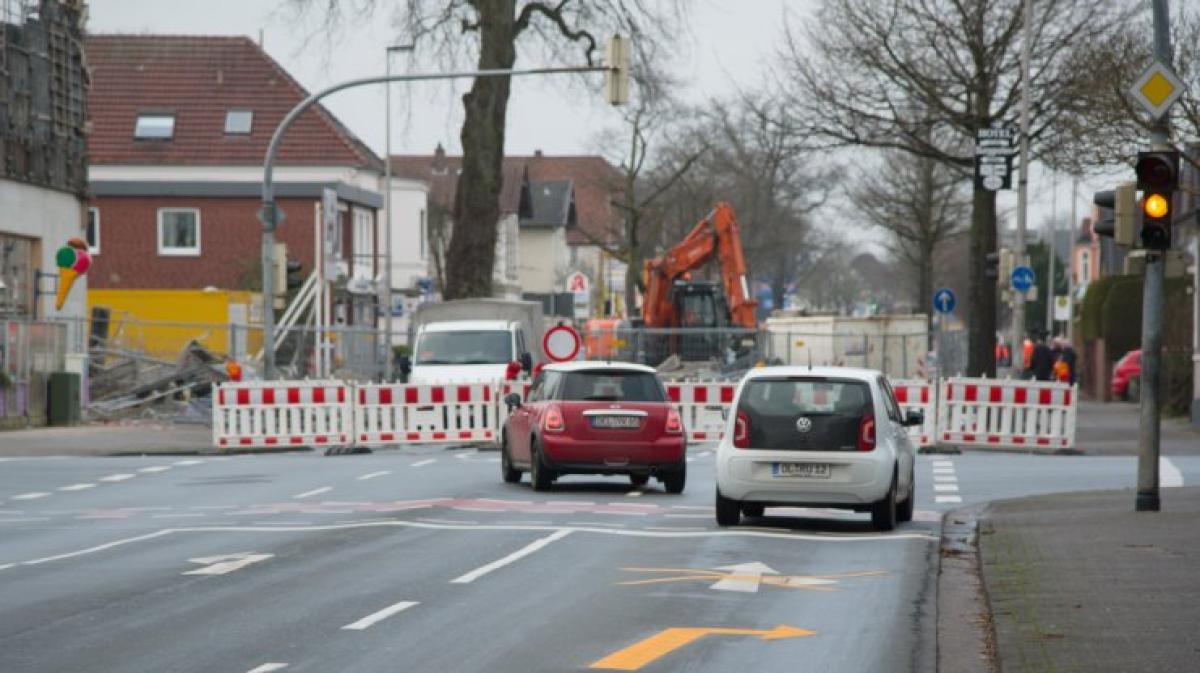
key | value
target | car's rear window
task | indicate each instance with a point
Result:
(611, 386)
(833, 408)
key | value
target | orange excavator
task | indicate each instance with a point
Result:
(673, 300)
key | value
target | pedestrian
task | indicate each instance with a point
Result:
(1041, 360)
(1027, 353)
(1069, 356)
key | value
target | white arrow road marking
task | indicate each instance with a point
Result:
(744, 577)
(118, 477)
(219, 565)
(76, 487)
(267, 668)
(30, 496)
(371, 619)
(1170, 476)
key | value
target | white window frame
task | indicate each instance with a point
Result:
(153, 115)
(94, 212)
(178, 252)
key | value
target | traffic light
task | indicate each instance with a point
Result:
(1118, 214)
(999, 265)
(616, 78)
(991, 269)
(1158, 178)
(294, 277)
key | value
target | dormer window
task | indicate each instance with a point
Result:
(238, 122)
(154, 126)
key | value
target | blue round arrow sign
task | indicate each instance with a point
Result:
(1022, 278)
(944, 300)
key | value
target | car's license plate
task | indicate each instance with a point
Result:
(802, 470)
(617, 422)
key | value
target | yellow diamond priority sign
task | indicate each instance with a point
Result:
(1157, 89)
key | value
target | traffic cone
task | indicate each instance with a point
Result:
(66, 278)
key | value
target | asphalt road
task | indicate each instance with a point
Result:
(423, 560)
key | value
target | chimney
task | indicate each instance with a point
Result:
(537, 154)
(439, 152)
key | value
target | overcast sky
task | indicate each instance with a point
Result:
(726, 48)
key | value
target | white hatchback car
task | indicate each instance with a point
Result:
(816, 437)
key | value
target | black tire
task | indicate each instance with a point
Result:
(675, 481)
(510, 474)
(904, 512)
(729, 513)
(639, 479)
(540, 476)
(883, 513)
(754, 509)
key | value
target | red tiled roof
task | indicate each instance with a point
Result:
(199, 78)
(596, 184)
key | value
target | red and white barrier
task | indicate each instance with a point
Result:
(1006, 413)
(703, 407)
(257, 414)
(920, 396)
(395, 414)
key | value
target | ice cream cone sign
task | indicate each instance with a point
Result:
(73, 261)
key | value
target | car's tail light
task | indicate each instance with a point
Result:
(741, 431)
(512, 371)
(553, 420)
(866, 433)
(674, 422)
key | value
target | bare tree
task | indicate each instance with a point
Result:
(897, 74)
(920, 203)
(489, 32)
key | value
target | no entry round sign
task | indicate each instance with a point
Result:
(561, 343)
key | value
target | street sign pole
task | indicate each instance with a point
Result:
(1018, 314)
(1152, 307)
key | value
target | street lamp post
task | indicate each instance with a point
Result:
(269, 213)
(387, 207)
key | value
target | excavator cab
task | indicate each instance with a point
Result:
(700, 305)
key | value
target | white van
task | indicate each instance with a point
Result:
(469, 351)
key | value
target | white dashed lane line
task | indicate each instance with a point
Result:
(372, 475)
(268, 667)
(315, 491)
(423, 463)
(30, 496)
(511, 558)
(154, 468)
(76, 487)
(373, 618)
(117, 477)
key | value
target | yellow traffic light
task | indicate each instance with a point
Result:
(1156, 206)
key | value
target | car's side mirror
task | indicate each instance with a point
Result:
(913, 418)
(513, 400)
(526, 361)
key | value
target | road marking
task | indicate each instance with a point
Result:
(267, 668)
(31, 496)
(99, 547)
(637, 493)
(193, 515)
(371, 619)
(515, 556)
(221, 565)
(664, 642)
(315, 491)
(688, 516)
(1170, 477)
(26, 519)
(423, 463)
(944, 470)
(374, 474)
(198, 507)
(743, 577)
(155, 468)
(945, 477)
(6, 566)
(948, 498)
(185, 463)
(706, 508)
(117, 477)
(76, 487)
(942, 488)
(943, 463)
(449, 521)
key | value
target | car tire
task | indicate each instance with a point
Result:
(674, 481)
(905, 511)
(639, 479)
(540, 476)
(754, 509)
(510, 474)
(883, 512)
(729, 512)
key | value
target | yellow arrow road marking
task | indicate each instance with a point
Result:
(664, 642)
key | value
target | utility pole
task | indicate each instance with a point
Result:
(1053, 246)
(1073, 232)
(1018, 313)
(1152, 306)
(387, 207)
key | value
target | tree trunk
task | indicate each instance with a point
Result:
(472, 255)
(981, 350)
(925, 280)
(633, 269)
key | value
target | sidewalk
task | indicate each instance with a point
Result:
(108, 440)
(1081, 582)
(1112, 430)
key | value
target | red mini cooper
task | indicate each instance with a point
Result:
(594, 418)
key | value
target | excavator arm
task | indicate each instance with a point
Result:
(717, 234)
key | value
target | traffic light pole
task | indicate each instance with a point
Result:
(1152, 309)
(1018, 306)
(270, 216)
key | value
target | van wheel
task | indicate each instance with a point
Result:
(510, 474)
(540, 476)
(905, 511)
(883, 513)
(729, 513)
